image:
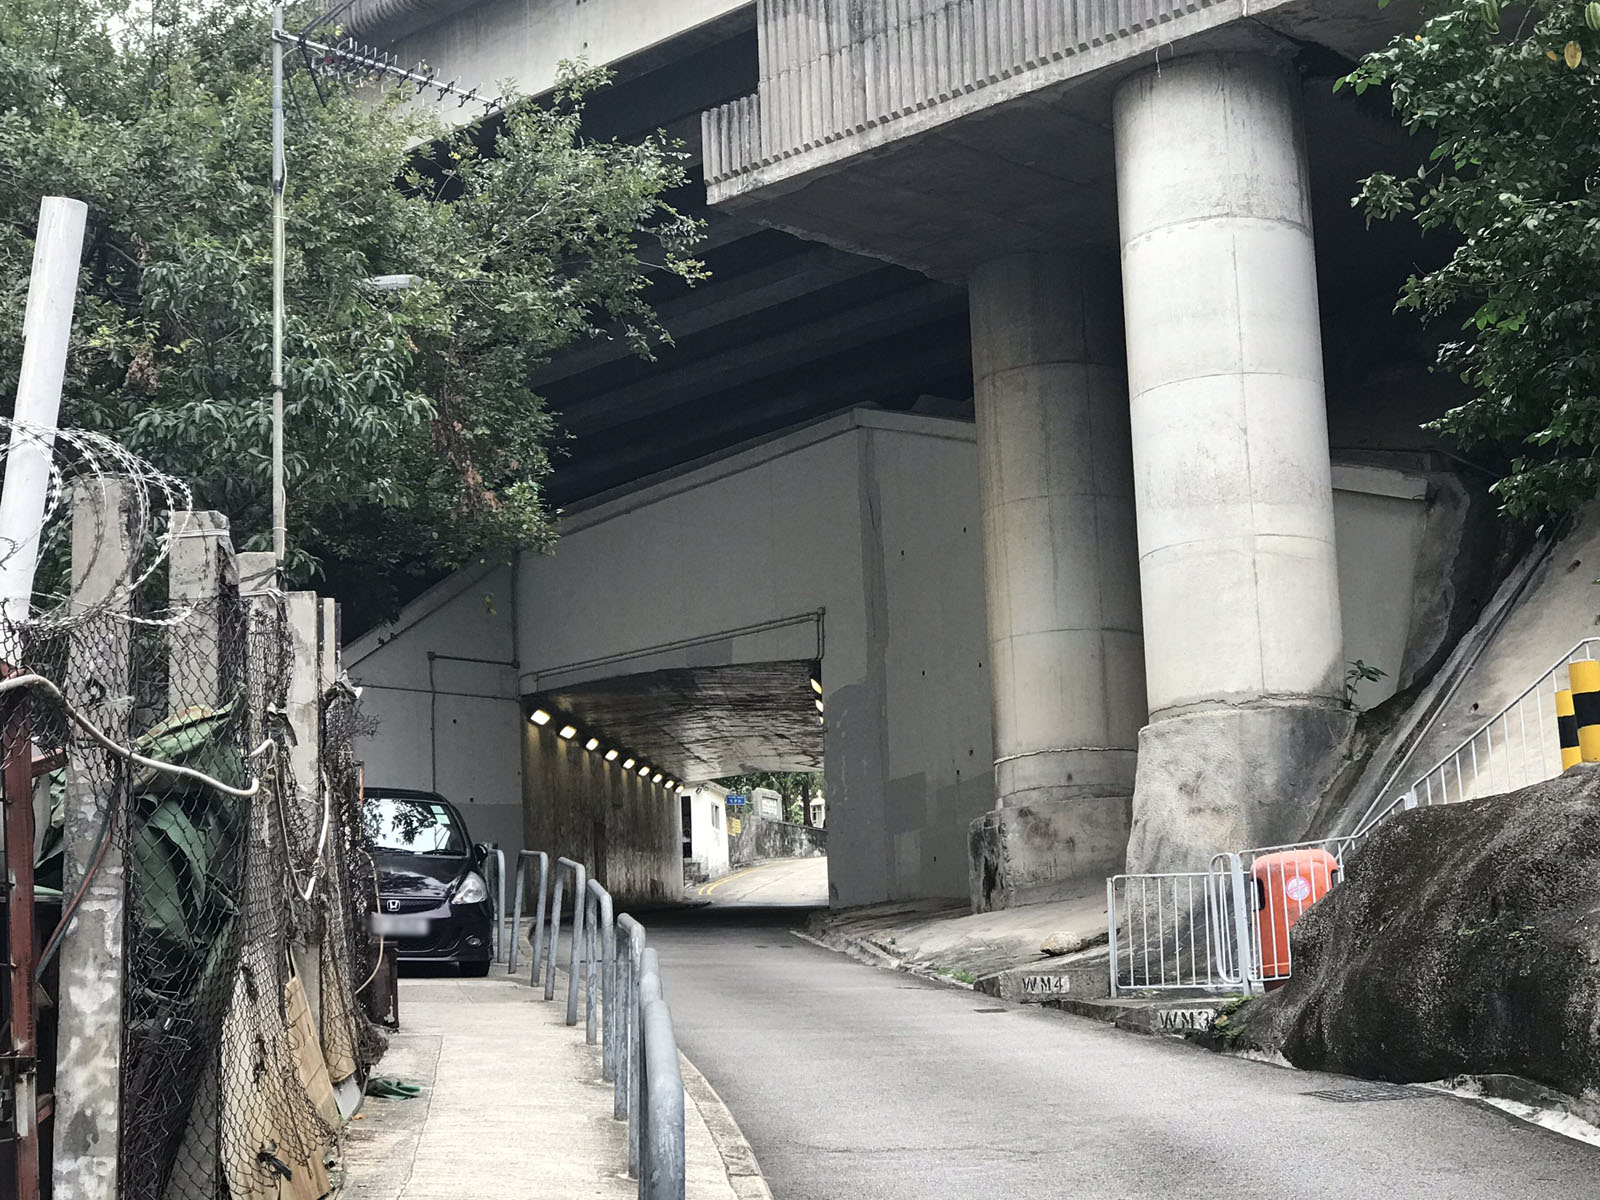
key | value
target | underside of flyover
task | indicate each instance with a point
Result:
(790, 329)
(838, 279)
(699, 723)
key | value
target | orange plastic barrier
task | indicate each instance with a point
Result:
(1287, 883)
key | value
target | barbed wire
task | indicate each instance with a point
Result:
(154, 495)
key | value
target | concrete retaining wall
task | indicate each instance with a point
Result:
(760, 838)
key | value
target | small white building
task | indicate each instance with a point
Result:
(705, 827)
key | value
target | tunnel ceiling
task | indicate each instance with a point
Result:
(702, 723)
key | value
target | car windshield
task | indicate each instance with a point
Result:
(413, 827)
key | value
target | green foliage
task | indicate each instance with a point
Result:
(796, 789)
(185, 850)
(1358, 673)
(1510, 107)
(414, 442)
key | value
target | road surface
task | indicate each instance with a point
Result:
(778, 881)
(854, 1083)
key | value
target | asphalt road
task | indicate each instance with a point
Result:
(854, 1083)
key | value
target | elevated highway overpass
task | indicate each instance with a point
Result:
(1045, 404)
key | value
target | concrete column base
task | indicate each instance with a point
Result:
(1231, 779)
(1045, 850)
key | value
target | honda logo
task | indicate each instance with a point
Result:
(392, 905)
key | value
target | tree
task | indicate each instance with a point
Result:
(1509, 105)
(414, 442)
(794, 788)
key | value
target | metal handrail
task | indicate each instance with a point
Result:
(632, 1037)
(1584, 648)
(625, 1013)
(599, 950)
(663, 1170)
(580, 879)
(523, 859)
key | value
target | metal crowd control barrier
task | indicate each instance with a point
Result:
(1205, 930)
(523, 859)
(1186, 929)
(625, 1014)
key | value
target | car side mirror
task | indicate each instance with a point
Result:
(480, 853)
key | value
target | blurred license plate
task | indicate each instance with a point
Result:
(399, 927)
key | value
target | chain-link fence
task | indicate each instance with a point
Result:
(237, 895)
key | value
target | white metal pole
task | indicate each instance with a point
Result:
(52, 293)
(279, 180)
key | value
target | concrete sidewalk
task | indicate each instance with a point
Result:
(513, 1107)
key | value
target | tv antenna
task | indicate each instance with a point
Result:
(347, 59)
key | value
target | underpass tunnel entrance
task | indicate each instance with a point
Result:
(621, 773)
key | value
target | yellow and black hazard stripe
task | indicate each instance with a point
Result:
(1585, 679)
(1567, 727)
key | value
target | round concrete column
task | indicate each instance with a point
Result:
(1230, 447)
(1066, 652)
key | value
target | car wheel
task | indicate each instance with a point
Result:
(475, 970)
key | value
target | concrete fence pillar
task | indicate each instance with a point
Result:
(202, 568)
(201, 670)
(1061, 572)
(99, 683)
(1230, 449)
(303, 613)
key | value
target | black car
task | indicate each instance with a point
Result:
(433, 902)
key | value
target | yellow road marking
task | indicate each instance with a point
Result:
(707, 888)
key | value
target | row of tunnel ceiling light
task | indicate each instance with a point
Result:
(541, 717)
(568, 731)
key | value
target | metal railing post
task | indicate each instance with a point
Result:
(629, 1033)
(580, 879)
(1241, 921)
(1111, 930)
(516, 912)
(597, 944)
(497, 856)
(662, 1174)
(649, 993)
